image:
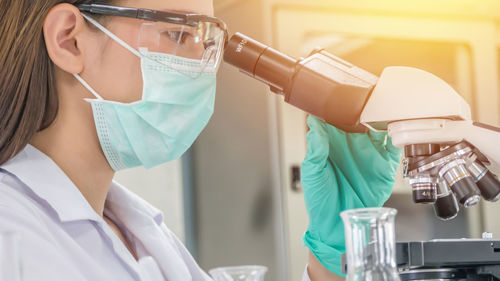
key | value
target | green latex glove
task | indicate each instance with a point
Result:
(342, 171)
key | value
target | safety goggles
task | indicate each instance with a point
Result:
(198, 38)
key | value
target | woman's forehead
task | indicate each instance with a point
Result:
(203, 7)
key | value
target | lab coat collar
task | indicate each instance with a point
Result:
(145, 222)
(47, 181)
(44, 178)
(130, 208)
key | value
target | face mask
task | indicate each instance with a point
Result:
(173, 111)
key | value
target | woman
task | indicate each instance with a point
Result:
(87, 89)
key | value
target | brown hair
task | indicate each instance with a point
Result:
(28, 97)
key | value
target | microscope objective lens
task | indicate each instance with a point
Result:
(446, 206)
(471, 201)
(424, 189)
(460, 181)
(487, 183)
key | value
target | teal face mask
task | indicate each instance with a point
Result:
(174, 109)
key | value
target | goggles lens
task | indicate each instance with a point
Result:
(202, 44)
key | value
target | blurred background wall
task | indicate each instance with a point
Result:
(232, 198)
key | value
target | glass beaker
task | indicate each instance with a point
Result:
(370, 244)
(239, 273)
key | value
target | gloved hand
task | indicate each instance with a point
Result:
(342, 171)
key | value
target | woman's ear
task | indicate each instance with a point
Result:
(62, 29)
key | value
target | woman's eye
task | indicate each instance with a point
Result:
(179, 37)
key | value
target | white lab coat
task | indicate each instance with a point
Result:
(63, 238)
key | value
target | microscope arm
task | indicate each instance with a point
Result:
(484, 137)
(487, 140)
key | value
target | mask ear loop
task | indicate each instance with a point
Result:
(116, 39)
(87, 86)
(112, 35)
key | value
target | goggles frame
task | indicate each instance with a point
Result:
(155, 16)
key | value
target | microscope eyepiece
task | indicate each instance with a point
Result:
(260, 61)
(321, 84)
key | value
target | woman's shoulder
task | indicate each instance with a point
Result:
(22, 212)
(11, 190)
(23, 216)
(15, 199)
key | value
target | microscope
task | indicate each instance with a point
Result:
(449, 160)
(446, 154)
